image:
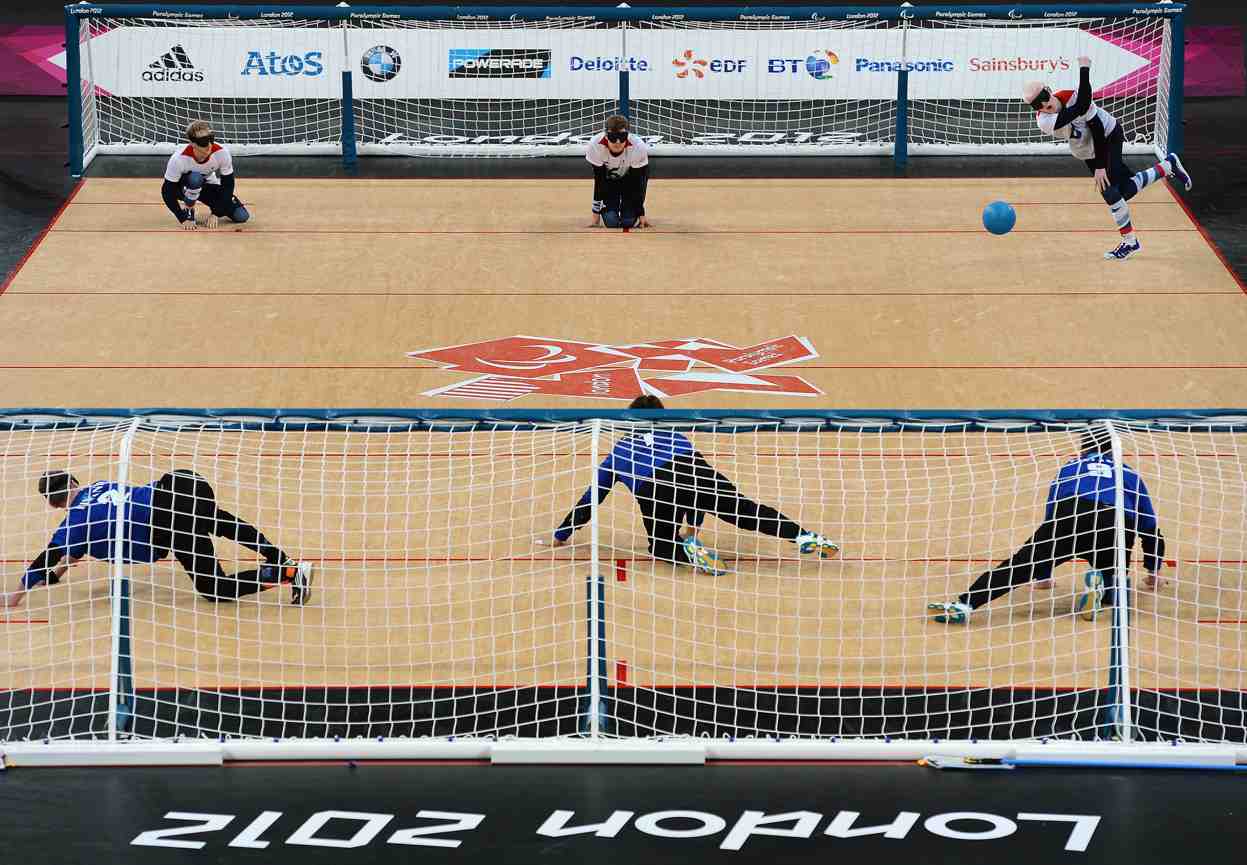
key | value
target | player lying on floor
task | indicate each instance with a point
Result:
(620, 163)
(177, 513)
(1080, 521)
(675, 486)
(202, 172)
(1096, 137)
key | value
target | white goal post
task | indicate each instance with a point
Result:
(530, 81)
(444, 622)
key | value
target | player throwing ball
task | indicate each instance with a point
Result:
(202, 171)
(620, 163)
(177, 513)
(1096, 137)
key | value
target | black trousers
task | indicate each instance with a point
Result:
(1079, 529)
(185, 518)
(1120, 174)
(687, 489)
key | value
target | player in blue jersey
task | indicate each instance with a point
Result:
(1079, 522)
(675, 488)
(178, 514)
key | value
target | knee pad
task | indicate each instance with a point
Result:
(610, 218)
(239, 213)
(192, 185)
(1111, 196)
(627, 219)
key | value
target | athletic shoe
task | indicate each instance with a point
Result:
(1124, 250)
(951, 612)
(1179, 171)
(703, 558)
(301, 587)
(1088, 603)
(809, 542)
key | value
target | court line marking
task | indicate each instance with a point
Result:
(1207, 238)
(148, 203)
(259, 294)
(597, 232)
(47, 229)
(423, 369)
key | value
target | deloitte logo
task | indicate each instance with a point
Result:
(174, 66)
(380, 63)
(819, 64)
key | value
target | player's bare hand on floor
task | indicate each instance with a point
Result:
(596, 222)
(212, 221)
(642, 223)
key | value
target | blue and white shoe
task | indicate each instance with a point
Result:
(1091, 600)
(809, 542)
(702, 558)
(1179, 171)
(950, 612)
(1124, 250)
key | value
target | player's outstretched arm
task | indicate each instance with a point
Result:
(1082, 99)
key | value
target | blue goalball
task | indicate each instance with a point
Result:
(999, 217)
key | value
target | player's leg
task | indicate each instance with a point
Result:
(656, 498)
(614, 204)
(196, 518)
(1121, 188)
(231, 208)
(1052, 544)
(719, 496)
(191, 189)
(1096, 543)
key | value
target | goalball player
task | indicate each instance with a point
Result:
(1079, 522)
(177, 513)
(202, 171)
(674, 486)
(620, 163)
(1096, 137)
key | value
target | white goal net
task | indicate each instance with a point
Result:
(402, 82)
(442, 605)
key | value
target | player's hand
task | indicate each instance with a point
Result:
(189, 224)
(1084, 61)
(596, 221)
(9, 600)
(212, 221)
(555, 542)
(1101, 179)
(642, 222)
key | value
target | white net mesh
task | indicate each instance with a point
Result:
(469, 87)
(442, 607)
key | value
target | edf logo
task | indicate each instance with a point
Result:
(272, 63)
(689, 65)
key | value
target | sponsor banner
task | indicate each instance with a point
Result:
(242, 62)
(585, 64)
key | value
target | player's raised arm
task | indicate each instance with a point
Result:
(1082, 99)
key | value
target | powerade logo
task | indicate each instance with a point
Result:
(174, 66)
(608, 64)
(272, 63)
(380, 63)
(691, 65)
(865, 64)
(499, 63)
(818, 65)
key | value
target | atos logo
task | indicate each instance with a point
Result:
(689, 65)
(817, 64)
(272, 63)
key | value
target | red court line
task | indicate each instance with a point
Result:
(450, 686)
(547, 557)
(38, 240)
(839, 366)
(255, 232)
(24, 622)
(621, 570)
(1222, 621)
(621, 672)
(1216, 250)
(1014, 203)
(684, 292)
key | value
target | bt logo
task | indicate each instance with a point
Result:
(272, 63)
(818, 65)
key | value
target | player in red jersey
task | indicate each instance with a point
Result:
(202, 171)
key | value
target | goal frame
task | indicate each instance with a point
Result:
(1167, 110)
(593, 745)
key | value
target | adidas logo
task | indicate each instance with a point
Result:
(174, 65)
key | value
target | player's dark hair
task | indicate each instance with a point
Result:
(617, 123)
(1096, 440)
(54, 486)
(649, 401)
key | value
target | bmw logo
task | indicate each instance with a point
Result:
(381, 63)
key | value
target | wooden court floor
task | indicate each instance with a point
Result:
(318, 300)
